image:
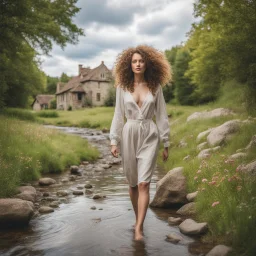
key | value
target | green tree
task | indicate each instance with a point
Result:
(51, 85)
(64, 78)
(29, 28)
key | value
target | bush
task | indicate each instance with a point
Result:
(47, 113)
(69, 108)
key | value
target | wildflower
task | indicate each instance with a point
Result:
(212, 182)
(204, 180)
(199, 171)
(215, 203)
(203, 189)
(195, 178)
(226, 170)
(239, 188)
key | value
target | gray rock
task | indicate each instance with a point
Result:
(97, 196)
(174, 238)
(252, 143)
(54, 204)
(46, 181)
(192, 196)
(14, 211)
(204, 133)
(64, 180)
(28, 193)
(202, 145)
(187, 209)
(88, 186)
(186, 158)
(62, 193)
(93, 208)
(190, 227)
(171, 189)
(238, 155)
(45, 209)
(88, 191)
(174, 221)
(222, 133)
(219, 250)
(78, 192)
(249, 168)
(210, 114)
(74, 169)
(72, 177)
(206, 153)
(46, 194)
(182, 144)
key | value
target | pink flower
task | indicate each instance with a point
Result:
(239, 188)
(204, 180)
(215, 203)
(195, 178)
(212, 182)
(199, 171)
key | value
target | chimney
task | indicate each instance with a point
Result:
(79, 68)
(102, 62)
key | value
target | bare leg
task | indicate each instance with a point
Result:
(143, 202)
(134, 194)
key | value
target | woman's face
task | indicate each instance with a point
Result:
(138, 64)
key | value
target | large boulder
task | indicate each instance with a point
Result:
(27, 193)
(205, 153)
(14, 211)
(210, 114)
(46, 181)
(222, 133)
(203, 134)
(249, 168)
(252, 143)
(171, 189)
(187, 209)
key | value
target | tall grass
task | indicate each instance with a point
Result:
(227, 197)
(27, 150)
(22, 114)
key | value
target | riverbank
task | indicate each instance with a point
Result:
(28, 150)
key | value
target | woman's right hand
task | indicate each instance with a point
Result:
(114, 150)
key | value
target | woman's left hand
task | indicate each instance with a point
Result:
(165, 154)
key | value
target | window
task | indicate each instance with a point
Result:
(79, 96)
(98, 96)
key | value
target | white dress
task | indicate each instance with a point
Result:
(140, 136)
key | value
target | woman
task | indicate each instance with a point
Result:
(139, 74)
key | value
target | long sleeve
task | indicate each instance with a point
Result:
(162, 121)
(118, 119)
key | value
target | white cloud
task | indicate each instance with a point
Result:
(162, 24)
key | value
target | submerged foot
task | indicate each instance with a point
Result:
(138, 235)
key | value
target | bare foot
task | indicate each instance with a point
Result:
(138, 235)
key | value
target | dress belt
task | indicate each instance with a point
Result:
(141, 121)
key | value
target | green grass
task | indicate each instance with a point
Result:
(47, 113)
(27, 150)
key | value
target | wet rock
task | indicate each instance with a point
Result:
(62, 193)
(98, 169)
(100, 209)
(46, 194)
(205, 153)
(63, 200)
(45, 209)
(93, 208)
(78, 192)
(171, 189)
(192, 196)
(219, 250)
(97, 196)
(202, 134)
(190, 227)
(51, 198)
(28, 193)
(54, 204)
(88, 192)
(174, 221)
(202, 145)
(115, 161)
(187, 209)
(80, 187)
(87, 186)
(74, 169)
(46, 181)
(72, 177)
(14, 211)
(222, 133)
(174, 238)
(85, 162)
(210, 114)
(105, 166)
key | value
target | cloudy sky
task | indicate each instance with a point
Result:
(113, 25)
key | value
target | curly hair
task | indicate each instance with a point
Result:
(158, 70)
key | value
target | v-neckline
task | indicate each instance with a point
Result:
(142, 102)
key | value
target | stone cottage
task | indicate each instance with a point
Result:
(42, 101)
(91, 85)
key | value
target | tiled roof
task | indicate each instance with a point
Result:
(43, 99)
(78, 88)
(73, 82)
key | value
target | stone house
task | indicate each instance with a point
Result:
(42, 101)
(90, 85)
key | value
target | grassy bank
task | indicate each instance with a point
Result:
(27, 150)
